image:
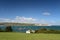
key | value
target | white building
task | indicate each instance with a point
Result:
(30, 31)
(41, 24)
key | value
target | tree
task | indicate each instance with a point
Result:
(8, 29)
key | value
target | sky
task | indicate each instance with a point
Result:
(30, 11)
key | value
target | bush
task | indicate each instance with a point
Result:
(44, 30)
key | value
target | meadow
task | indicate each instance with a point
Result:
(24, 36)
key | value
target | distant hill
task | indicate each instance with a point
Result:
(17, 24)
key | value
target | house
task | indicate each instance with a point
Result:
(30, 31)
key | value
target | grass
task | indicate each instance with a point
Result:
(24, 36)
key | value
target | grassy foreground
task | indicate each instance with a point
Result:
(24, 36)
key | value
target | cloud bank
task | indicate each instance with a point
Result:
(19, 19)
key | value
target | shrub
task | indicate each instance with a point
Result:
(44, 30)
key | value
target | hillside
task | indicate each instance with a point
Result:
(17, 24)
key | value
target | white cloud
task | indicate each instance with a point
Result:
(46, 13)
(19, 20)
(4, 20)
(51, 22)
(24, 19)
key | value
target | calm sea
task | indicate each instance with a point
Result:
(24, 28)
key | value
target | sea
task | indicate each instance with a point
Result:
(25, 28)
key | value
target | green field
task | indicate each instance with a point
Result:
(24, 36)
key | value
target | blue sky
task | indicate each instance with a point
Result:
(39, 11)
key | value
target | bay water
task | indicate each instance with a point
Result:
(25, 28)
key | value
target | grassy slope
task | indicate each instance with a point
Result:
(23, 36)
